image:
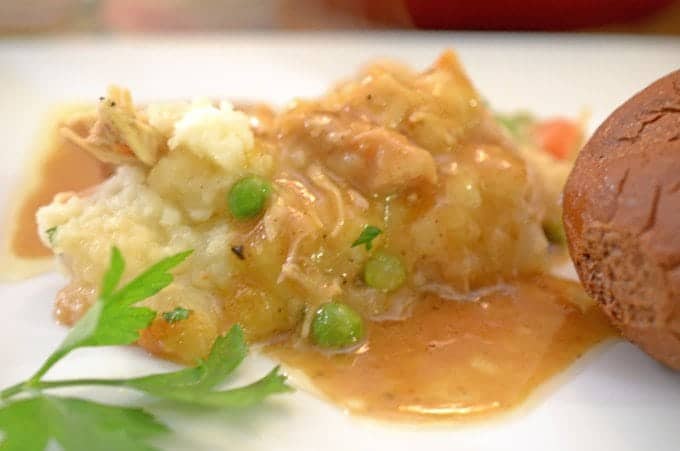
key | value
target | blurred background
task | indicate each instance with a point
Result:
(18, 17)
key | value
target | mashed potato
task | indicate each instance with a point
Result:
(220, 135)
(126, 213)
(216, 143)
(415, 155)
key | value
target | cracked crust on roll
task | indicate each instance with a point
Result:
(622, 218)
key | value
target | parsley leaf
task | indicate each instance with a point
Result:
(76, 425)
(367, 236)
(516, 123)
(178, 314)
(226, 354)
(149, 282)
(193, 385)
(51, 233)
(32, 424)
(113, 319)
(113, 274)
(272, 383)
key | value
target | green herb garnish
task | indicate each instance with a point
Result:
(51, 232)
(178, 314)
(76, 424)
(367, 236)
(516, 123)
(30, 419)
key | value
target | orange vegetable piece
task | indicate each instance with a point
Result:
(559, 137)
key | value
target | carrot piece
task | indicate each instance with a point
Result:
(559, 137)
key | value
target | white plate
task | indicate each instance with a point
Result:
(617, 399)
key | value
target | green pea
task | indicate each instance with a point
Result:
(247, 197)
(336, 325)
(384, 271)
(554, 232)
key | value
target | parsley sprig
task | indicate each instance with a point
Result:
(30, 418)
(368, 234)
(178, 314)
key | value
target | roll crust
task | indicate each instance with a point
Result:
(622, 218)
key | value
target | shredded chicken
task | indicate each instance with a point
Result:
(317, 177)
(410, 154)
(375, 160)
(116, 133)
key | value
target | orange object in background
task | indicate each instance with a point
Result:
(527, 14)
(559, 136)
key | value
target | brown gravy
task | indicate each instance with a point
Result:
(61, 167)
(458, 360)
(452, 361)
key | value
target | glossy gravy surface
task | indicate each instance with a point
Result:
(454, 360)
(449, 360)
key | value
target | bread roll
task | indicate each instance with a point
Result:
(622, 218)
